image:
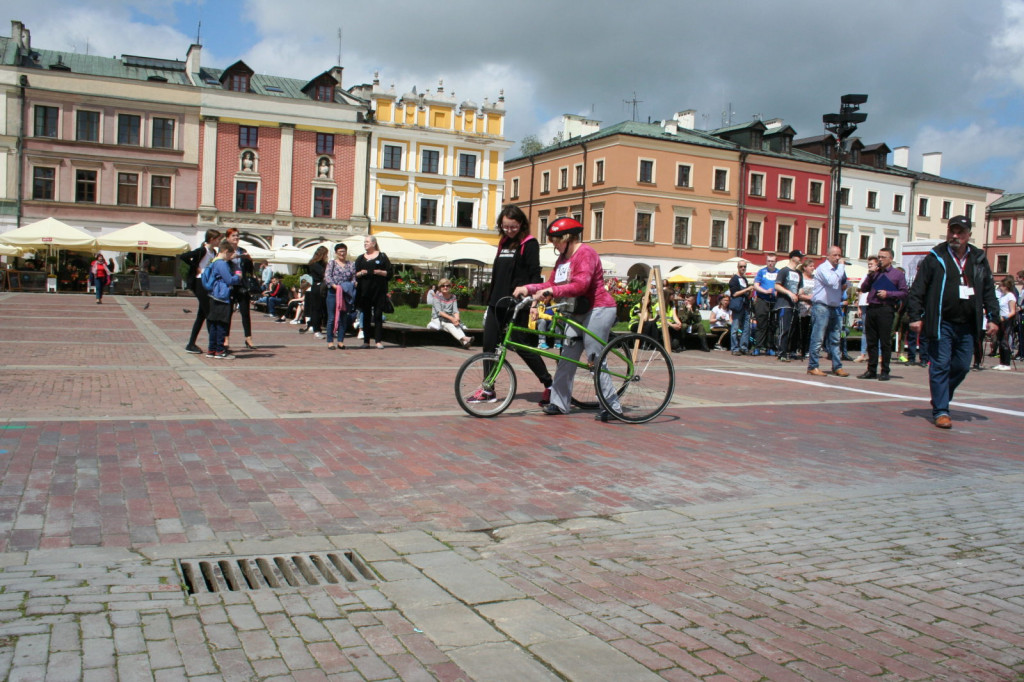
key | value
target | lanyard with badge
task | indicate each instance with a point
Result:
(966, 290)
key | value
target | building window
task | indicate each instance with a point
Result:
(718, 234)
(85, 186)
(544, 230)
(843, 239)
(872, 199)
(721, 180)
(813, 239)
(577, 175)
(428, 211)
(323, 202)
(325, 143)
(683, 175)
(46, 121)
(429, 162)
(597, 231)
(643, 227)
(87, 126)
(324, 93)
(389, 209)
(753, 236)
(922, 207)
(783, 238)
(43, 183)
(865, 247)
(245, 197)
(947, 209)
(515, 188)
(756, 184)
(897, 203)
(681, 233)
(467, 165)
(844, 196)
(248, 136)
(1005, 227)
(816, 192)
(786, 188)
(128, 189)
(545, 182)
(464, 214)
(129, 129)
(599, 171)
(239, 82)
(163, 133)
(890, 243)
(1002, 264)
(646, 170)
(160, 191)
(970, 211)
(392, 157)
(563, 178)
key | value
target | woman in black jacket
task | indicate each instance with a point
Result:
(316, 311)
(517, 263)
(196, 260)
(373, 270)
(240, 293)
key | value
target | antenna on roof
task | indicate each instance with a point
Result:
(634, 102)
(339, 47)
(199, 32)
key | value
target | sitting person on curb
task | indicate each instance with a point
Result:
(540, 316)
(273, 295)
(297, 306)
(685, 321)
(721, 320)
(445, 313)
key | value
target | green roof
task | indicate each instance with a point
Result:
(1008, 202)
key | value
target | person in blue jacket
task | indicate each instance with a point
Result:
(218, 284)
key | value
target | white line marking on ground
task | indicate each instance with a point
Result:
(896, 396)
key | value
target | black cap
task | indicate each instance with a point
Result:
(796, 253)
(960, 221)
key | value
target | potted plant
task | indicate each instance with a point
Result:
(405, 287)
(462, 291)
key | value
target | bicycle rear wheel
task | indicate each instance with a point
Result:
(471, 378)
(642, 378)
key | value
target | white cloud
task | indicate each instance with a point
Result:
(970, 151)
(1007, 46)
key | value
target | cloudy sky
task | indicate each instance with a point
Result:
(941, 75)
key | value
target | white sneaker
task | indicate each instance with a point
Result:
(293, 322)
(1003, 368)
(318, 335)
(360, 334)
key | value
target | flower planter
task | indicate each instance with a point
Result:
(412, 300)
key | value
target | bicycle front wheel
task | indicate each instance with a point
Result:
(636, 379)
(480, 397)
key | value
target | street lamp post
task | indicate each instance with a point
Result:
(842, 125)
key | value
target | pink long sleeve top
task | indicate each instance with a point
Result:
(580, 275)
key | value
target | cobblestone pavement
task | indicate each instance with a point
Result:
(768, 526)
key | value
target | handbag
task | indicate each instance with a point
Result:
(387, 307)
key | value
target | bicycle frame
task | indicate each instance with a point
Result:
(557, 318)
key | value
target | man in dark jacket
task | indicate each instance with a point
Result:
(952, 295)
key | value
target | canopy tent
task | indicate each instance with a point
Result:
(11, 251)
(685, 273)
(48, 232)
(398, 249)
(143, 238)
(257, 252)
(855, 272)
(726, 269)
(290, 255)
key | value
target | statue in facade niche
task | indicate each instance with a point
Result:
(248, 162)
(323, 170)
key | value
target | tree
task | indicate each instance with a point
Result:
(530, 145)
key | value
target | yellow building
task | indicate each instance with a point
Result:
(436, 164)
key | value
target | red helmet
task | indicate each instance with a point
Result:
(564, 227)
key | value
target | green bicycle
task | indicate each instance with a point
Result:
(635, 369)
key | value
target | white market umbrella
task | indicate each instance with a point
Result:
(398, 249)
(11, 251)
(48, 232)
(290, 255)
(257, 252)
(143, 238)
(467, 249)
(725, 270)
(685, 273)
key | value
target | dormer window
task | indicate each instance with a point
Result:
(323, 93)
(239, 82)
(237, 77)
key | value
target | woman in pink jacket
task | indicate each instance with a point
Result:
(577, 275)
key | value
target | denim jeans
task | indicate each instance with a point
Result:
(950, 357)
(825, 322)
(739, 332)
(332, 301)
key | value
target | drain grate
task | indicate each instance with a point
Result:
(240, 574)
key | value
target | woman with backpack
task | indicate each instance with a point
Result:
(99, 273)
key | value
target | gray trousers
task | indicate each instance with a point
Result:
(600, 321)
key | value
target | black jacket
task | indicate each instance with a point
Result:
(192, 260)
(938, 278)
(525, 268)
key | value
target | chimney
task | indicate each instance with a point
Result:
(686, 119)
(773, 123)
(931, 163)
(671, 127)
(901, 156)
(578, 126)
(192, 62)
(21, 36)
(336, 73)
